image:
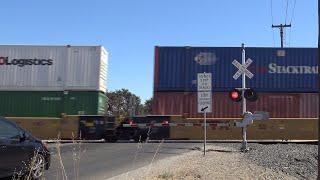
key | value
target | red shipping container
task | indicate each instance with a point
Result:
(279, 105)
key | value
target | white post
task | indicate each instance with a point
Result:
(244, 104)
(205, 132)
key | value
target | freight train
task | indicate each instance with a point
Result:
(65, 99)
(286, 80)
(171, 127)
(92, 127)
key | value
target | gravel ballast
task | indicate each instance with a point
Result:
(298, 160)
(225, 161)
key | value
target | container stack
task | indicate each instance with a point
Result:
(286, 80)
(51, 81)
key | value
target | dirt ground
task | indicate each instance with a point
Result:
(219, 163)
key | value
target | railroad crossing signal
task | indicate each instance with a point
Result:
(249, 94)
(242, 69)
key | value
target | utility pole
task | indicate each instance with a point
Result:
(318, 72)
(281, 26)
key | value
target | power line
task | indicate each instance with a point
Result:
(285, 20)
(271, 11)
(294, 6)
(289, 38)
(285, 38)
(292, 15)
(272, 23)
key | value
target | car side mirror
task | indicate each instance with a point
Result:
(22, 136)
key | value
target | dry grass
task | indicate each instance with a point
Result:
(166, 175)
(140, 145)
(155, 154)
(63, 171)
(27, 176)
(77, 153)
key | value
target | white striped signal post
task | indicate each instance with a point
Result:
(242, 70)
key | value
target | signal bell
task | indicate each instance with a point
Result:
(235, 95)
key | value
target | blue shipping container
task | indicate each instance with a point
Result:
(274, 69)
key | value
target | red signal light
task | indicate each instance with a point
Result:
(235, 95)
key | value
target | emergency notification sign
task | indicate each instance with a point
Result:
(204, 92)
(204, 82)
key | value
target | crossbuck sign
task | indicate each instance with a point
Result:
(242, 69)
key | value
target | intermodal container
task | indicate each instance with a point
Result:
(41, 127)
(292, 70)
(279, 105)
(51, 103)
(53, 68)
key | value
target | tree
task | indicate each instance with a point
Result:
(147, 107)
(123, 103)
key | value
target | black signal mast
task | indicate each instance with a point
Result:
(281, 26)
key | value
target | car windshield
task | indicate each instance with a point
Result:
(7, 130)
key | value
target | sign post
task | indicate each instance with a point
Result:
(204, 101)
(205, 130)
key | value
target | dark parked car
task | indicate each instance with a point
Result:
(21, 154)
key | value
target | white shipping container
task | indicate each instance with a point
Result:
(53, 68)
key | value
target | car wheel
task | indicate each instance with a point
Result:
(38, 166)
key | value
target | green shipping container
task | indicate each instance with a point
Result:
(51, 104)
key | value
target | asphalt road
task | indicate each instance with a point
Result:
(105, 160)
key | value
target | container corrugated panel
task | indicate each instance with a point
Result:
(31, 104)
(273, 129)
(88, 103)
(41, 127)
(274, 69)
(279, 105)
(69, 127)
(50, 103)
(53, 68)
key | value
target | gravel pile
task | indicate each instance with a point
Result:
(298, 160)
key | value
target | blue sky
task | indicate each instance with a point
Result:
(129, 29)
